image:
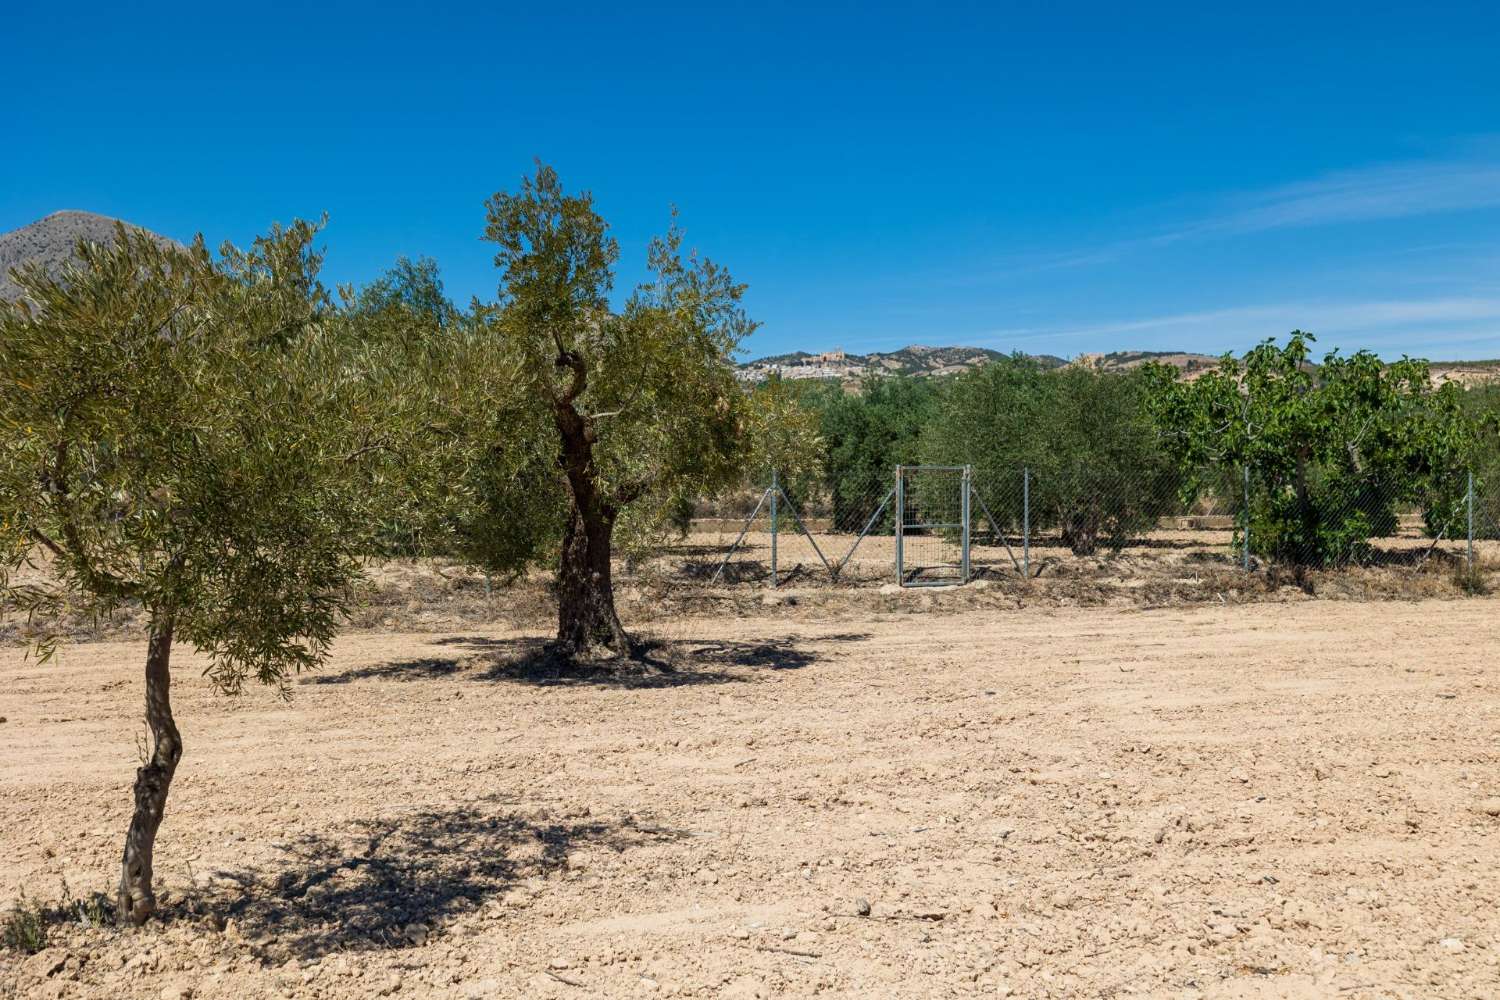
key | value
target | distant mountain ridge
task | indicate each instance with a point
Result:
(50, 241)
(917, 359)
(920, 360)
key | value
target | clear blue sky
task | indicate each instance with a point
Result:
(1031, 177)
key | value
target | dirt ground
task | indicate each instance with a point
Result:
(916, 800)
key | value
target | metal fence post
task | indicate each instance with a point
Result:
(900, 519)
(1246, 538)
(966, 526)
(1471, 520)
(1026, 521)
(775, 496)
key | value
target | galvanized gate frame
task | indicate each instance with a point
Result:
(901, 525)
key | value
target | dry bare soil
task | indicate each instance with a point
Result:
(1264, 800)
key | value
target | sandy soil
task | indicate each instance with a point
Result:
(1268, 800)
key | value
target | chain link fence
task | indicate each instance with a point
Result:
(1024, 524)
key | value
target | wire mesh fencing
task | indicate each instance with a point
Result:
(1029, 520)
(925, 525)
(1317, 520)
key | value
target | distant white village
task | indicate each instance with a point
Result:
(837, 364)
(829, 364)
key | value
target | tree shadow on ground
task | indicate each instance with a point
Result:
(422, 668)
(1427, 555)
(386, 883)
(655, 663)
(752, 571)
(736, 571)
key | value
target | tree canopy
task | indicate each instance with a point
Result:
(174, 430)
(550, 419)
(1332, 450)
(1095, 460)
(867, 435)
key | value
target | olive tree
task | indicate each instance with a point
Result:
(784, 437)
(867, 435)
(1098, 472)
(641, 403)
(170, 439)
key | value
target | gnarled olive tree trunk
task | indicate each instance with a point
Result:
(136, 901)
(587, 625)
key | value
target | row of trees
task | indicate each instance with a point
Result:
(1331, 451)
(1099, 469)
(220, 441)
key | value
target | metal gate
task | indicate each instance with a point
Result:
(932, 525)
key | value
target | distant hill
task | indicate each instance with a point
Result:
(1120, 361)
(914, 360)
(920, 361)
(50, 241)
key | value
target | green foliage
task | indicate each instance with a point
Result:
(456, 459)
(486, 400)
(171, 432)
(1333, 451)
(867, 435)
(25, 927)
(410, 289)
(784, 436)
(1448, 512)
(1098, 471)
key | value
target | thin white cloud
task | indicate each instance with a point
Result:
(1332, 318)
(1369, 194)
(1389, 191)
(1415, 326)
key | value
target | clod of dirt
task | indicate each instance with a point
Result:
(46, 962)
(1490, 806)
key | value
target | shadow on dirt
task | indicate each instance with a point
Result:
(390, 883)
(734, 573)
(422, 668)
(657, 663)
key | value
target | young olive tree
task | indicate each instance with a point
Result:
(1332, 450)
(642, 403)
(170, 437)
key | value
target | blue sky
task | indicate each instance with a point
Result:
(1035, 177)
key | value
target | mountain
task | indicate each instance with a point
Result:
(1121, 361)
(914, 360)
(920, 360)
(50, 242)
